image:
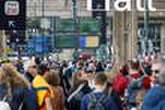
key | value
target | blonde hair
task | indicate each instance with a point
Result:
(10, 76)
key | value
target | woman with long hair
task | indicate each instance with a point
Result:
(57, 98)
(14, 87)
(79, 89)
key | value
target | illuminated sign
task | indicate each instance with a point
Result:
(12, 14)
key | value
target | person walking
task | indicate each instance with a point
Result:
(57, 98)
(155, 97)
(98, 99)
(79, 88)
(14, 89)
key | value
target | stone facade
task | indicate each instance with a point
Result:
(125, 23)
(62, 8)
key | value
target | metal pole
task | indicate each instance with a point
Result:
(35, 9)
(43, 16)
(146, 23)
(43, 8)
(74, 13)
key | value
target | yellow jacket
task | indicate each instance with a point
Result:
(40, 82)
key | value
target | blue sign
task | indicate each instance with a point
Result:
(88, 41)
(82, 41)
(39, 44)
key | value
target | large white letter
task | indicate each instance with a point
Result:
(124, 8)
(151, 8)
(139, 5)
(89, 5)
(107, 5)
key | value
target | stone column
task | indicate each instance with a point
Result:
(132, 29)
(162, 38)
(134, 32)
(117, 35)
(125, 35)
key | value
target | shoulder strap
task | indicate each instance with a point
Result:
(21, 106)
(92, 97)
(75, 92)
(4, 98)
(22, 103)
(103, 98)
(7, 98)
(41, 88)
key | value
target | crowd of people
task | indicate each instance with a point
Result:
(138, 84)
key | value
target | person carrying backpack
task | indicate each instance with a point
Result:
(79, 89)
(98, 100)
(14, 89)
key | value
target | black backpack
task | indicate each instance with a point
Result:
(97, 104)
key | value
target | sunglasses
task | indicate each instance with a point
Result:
(33, 66)
(155, 71)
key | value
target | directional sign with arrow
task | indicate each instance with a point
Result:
(12, 14)
(11, 24)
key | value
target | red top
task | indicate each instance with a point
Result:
(120, 84)
(135, 75)
(147, 83)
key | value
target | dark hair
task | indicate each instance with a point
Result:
(38, 60)
(125, 70)
(148, 70)
(101, 78)
(42, 68)
(135, 65)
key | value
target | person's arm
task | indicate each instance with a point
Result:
(48, 104)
